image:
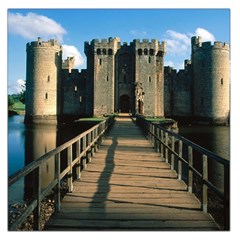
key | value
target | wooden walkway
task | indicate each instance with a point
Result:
(128, 187)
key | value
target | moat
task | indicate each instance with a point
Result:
(26, 143)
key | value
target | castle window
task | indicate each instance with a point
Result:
(107, 78)
(151, 52)
(48, 78)
(104, 51)
(80, 99)
(139, 51)
(221, 81)
(158, 77)
(110, 52)
(100, 61)
(75, 88)
(145, 51)
(149, 79)
(46, 96)
(149, 59)
(98, 51)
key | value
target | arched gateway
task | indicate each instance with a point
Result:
(125, 104)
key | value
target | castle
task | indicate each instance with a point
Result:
(127, 78)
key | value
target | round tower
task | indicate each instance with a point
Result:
(211, 75)
(43, 86)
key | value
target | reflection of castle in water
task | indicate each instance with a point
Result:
(40, 139)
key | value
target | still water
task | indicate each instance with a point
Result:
(26, 143)
(213, 138)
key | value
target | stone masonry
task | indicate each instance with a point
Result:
(127, 78)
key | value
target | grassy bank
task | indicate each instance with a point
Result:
(18, 108)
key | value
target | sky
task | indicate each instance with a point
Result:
(72, 27)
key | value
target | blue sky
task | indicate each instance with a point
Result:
(71, 27)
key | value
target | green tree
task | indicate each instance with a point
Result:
(10, 101)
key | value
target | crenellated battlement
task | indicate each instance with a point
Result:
(197, 44)
(52, 43)
(150, 44)
(96, 42)
(104, 46)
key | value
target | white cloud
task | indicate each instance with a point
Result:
(138, 33)
(206, 36)
(180, 43)
(17, 86)
(177, 43)
(33, 25)
(71, 51)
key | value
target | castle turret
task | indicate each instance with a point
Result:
(211, 80)
(43, 81)
(149, 71)
(68, 64)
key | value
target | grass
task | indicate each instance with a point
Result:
(93, 119)
(17, 108)
(161, 120)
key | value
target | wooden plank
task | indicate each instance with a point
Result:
(131, 224)
(192, 205)
(137, 209)
(132, 216)
(123, 195)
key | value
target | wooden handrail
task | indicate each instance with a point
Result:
(86, 144)
(160, 137)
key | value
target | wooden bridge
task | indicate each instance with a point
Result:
(127, 185)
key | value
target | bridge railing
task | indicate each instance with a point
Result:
(74, 154)
(192, 164)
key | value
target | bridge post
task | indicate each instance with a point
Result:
(226, 198)
(158, 141)
(162, 141)
(205, 187)
(172, 155)
(78, 168)
(58, 186)
(92, 151)
(95, 135)
(166, 149)
(84, 158)
(190, 172)
(70, 173)
(37, 193)
(180, 148)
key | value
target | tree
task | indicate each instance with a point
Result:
(10, 101)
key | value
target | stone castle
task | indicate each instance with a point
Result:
(127, 78)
